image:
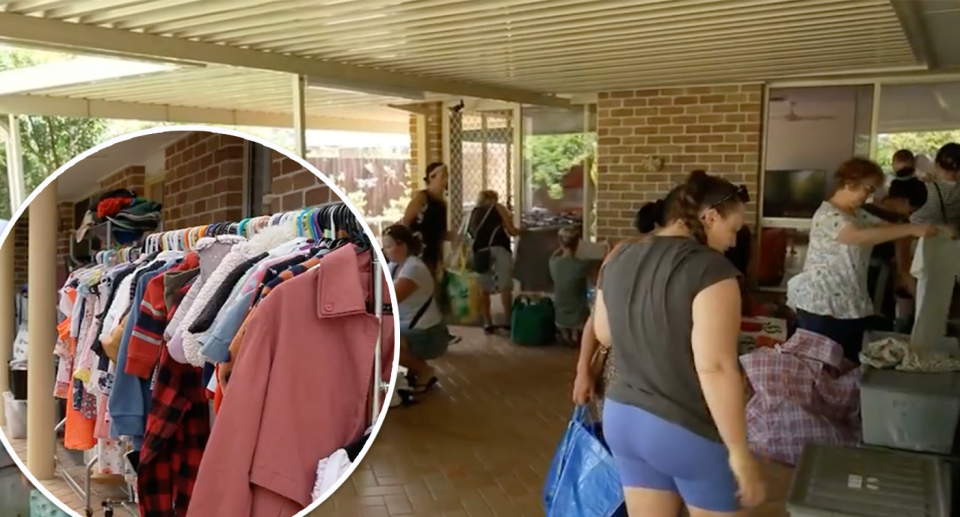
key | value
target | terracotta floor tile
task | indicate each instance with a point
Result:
(479, 445)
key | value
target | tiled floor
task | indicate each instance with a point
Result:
(62, 491)
(480, 445)
(477, 446)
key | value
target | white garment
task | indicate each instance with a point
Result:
(329, 471)
(936, 266)
(268, 239)
(833, 281)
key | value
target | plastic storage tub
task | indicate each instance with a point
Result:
(832, 481)
(16, 413)
(910, 411)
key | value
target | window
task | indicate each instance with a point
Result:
(258, 180)
(917, 117)
(811, 131)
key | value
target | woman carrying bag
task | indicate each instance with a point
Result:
(490, 228)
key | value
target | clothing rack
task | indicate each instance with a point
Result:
(314, 222)
(84, 492)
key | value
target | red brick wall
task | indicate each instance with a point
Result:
(715, 128)
(434, 133)
(204, 180)
(131, 177)
(20, 238)
(65, 233)
(293, 187)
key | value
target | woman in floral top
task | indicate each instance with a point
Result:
(830, 294)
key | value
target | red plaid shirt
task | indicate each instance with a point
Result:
(177, 431)
(804, 392)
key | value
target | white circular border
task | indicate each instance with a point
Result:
(336, 190)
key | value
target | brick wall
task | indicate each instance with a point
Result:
(293, 187)
(20, 237)
(132, 177)
(204, 180)
(715, 128)
(64, 233)
(434, 134)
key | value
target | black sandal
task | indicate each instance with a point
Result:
(418, 388)
(489, 329)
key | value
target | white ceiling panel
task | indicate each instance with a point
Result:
(545, 46)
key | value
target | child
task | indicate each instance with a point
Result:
(570, 278)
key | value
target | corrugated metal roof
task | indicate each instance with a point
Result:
(550, 46)
(231, 88)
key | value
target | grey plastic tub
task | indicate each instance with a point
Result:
(910, 411)
(832, 481)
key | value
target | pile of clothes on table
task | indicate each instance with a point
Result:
(130, 216)
(540, 218)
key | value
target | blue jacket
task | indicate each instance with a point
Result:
(131, 396)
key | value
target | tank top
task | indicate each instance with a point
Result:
(488, 230)
(431, 224)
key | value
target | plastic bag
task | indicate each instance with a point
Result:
(583, 480)
(461, 293)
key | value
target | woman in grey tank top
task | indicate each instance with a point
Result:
(675, 417)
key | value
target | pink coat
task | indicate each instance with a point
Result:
(300, 390)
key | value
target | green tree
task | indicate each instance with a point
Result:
(552, 156)
(47, 142)
(927, 142)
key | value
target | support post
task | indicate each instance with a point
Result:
(42, 331)
(15, 164)
(300, 115)
(8, 329)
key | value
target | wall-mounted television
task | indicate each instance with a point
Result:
(794, 194)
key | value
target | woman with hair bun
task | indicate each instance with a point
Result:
(830, 294)
(423, 334)
(675, 416)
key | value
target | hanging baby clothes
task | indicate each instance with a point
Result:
(936, 267)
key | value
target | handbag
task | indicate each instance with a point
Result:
(583, 479)
(598, 364)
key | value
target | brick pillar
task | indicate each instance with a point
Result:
(715, 128)
(433, 140)
(21, 257)
(203, 182)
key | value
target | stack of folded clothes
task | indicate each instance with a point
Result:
(131, 216)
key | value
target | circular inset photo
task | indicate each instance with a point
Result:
(203, 327)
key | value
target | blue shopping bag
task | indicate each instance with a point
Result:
(583, 480)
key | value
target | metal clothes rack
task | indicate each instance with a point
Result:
(84, 492)
(380, 386)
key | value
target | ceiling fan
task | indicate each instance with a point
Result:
(792, 116)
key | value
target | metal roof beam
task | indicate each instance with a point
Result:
(83, 108)
(71, 72)
(915, 29)
(30, 30)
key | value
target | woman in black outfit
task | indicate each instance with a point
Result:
(426, 215)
